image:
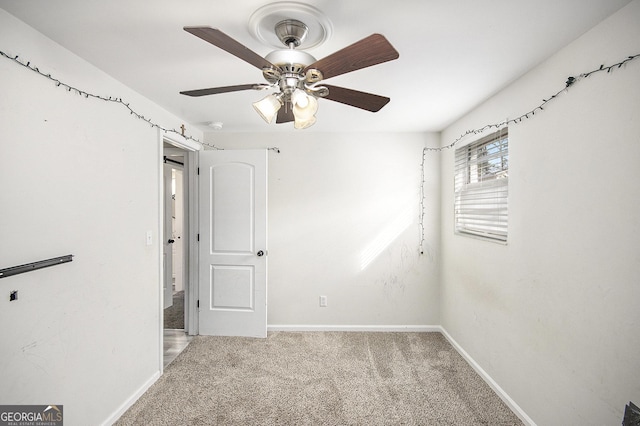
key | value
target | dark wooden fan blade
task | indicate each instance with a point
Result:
(285, 114)
(369, 51)
(224, 42)
(355, 98)
(215, 90)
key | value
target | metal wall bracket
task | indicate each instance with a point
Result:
(15, 270)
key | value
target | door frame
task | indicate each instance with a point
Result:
(190, 247)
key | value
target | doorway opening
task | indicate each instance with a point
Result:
(178, 292)
(174, 312)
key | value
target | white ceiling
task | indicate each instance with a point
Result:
(454, 54)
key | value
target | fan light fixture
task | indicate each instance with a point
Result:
(303, 107)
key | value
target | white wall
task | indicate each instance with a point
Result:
(557, 328)
(78, 176)
(330, 197)
(553, 316)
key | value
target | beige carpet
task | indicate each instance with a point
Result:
(320, 378)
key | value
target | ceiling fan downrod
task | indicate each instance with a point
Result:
(291, 32)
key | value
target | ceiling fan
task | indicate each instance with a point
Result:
(297, 76)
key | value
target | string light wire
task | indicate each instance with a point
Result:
(569, 83)
(88, 95)
(421, 204)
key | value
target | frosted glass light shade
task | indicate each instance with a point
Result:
(309, 110)
(300, 98)
(303, 124)
(268, 107)
(305, 116)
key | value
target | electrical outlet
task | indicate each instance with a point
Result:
(323, 301)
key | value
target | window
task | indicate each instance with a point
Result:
(482, 187)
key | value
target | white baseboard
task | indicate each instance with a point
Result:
(492, 384)
(371, 328)
(131, 400)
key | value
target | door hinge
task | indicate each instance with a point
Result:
(198, 303)
(198, 237)
(198, 171)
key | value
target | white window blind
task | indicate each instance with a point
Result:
(482, 187)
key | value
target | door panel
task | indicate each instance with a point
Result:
(233, 238)
(232, 288)
(232, 220)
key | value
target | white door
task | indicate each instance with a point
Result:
(233, 243)
(167, 248)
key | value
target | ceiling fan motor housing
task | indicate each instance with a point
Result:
(291, 64)
(290, 59)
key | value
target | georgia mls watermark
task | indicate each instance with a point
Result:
(31, 415)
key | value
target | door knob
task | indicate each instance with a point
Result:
(260, 253)
(171, 241)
